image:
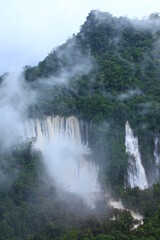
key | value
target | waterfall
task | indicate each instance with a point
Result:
(157, 152)
(119, 205)
(136, 176)
(65, 154)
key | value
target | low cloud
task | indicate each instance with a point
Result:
(129, 94)
(15, 99)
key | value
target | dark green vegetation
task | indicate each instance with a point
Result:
(29, 201)
(107, 74)
(30, 208)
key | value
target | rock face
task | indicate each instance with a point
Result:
(136, 176)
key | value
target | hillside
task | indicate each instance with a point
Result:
(106, 75)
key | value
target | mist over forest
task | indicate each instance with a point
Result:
(80, 137)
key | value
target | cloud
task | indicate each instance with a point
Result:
(78, 64)
(129, 94)
(15, 98)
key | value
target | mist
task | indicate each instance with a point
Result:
(129, 94)
(72, 63)
(67, 158)
(15, 99)
(65, 155)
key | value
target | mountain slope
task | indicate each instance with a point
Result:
(106, 74)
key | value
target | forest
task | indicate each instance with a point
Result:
(107, 74)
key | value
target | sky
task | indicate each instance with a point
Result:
(31, 29)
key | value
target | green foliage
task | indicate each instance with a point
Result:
(123, 84)
(29, 208)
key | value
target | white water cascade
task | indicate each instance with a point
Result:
(136, 176)
(59, 139)
(157, 152)
(119, 205)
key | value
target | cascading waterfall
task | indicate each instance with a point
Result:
(120, 206)
(136, 176)
(64, 152)
(157, 152)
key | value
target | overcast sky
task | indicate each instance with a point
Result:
(30, 29)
